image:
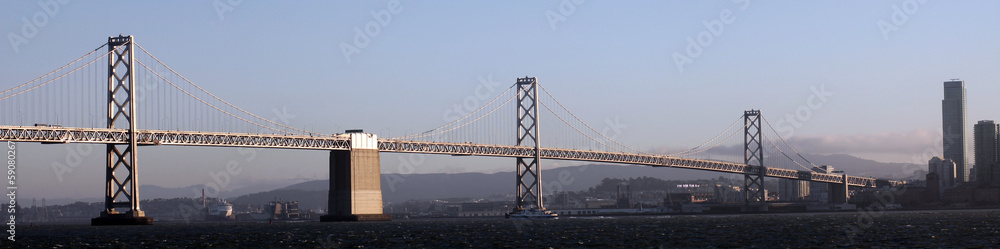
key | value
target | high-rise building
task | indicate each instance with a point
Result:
(953, 125)
(986, 149)
(820, 191)
(945, 170)
(793, 190)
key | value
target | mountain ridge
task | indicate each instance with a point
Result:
(400, 187)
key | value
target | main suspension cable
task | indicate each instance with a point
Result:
(204, 102)
(585, 124)
(423, 134)
(54, 79)
(220, 99)
(786, 143)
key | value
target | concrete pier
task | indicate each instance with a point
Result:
(121, 219)
(355, 182)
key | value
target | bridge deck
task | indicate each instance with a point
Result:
(187, 138)
(160, 137)
(613, 157)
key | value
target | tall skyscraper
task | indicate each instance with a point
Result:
(987, 164)
(953, 125)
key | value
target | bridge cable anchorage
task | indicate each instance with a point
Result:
(61, 68)
(300, 131)
(50, 81)
(638, 151)
(786, 143)
(691, 151)
(425, 134)
(203, 101)
(784, 154)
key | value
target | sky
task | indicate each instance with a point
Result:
(855, 77)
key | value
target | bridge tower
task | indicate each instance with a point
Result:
(529, 176)
(355, 181)
(121, 183)
(753, 157)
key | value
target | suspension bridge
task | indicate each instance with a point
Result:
(125, 97)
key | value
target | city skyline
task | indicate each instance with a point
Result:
(824, 97)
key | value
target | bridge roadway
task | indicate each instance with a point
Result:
(45, 134)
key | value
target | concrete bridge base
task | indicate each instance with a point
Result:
(120, 220)
(355, 182)
(355, 217)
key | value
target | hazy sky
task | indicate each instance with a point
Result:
(676, 72)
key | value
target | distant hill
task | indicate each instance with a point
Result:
(154, 192)
(863, 167)
(232, 190)
(400, 188)
(308, 199)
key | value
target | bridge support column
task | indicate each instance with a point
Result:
(355, 182)
(529, 174)
(122, 182)
(839, 192)
(755, 199)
